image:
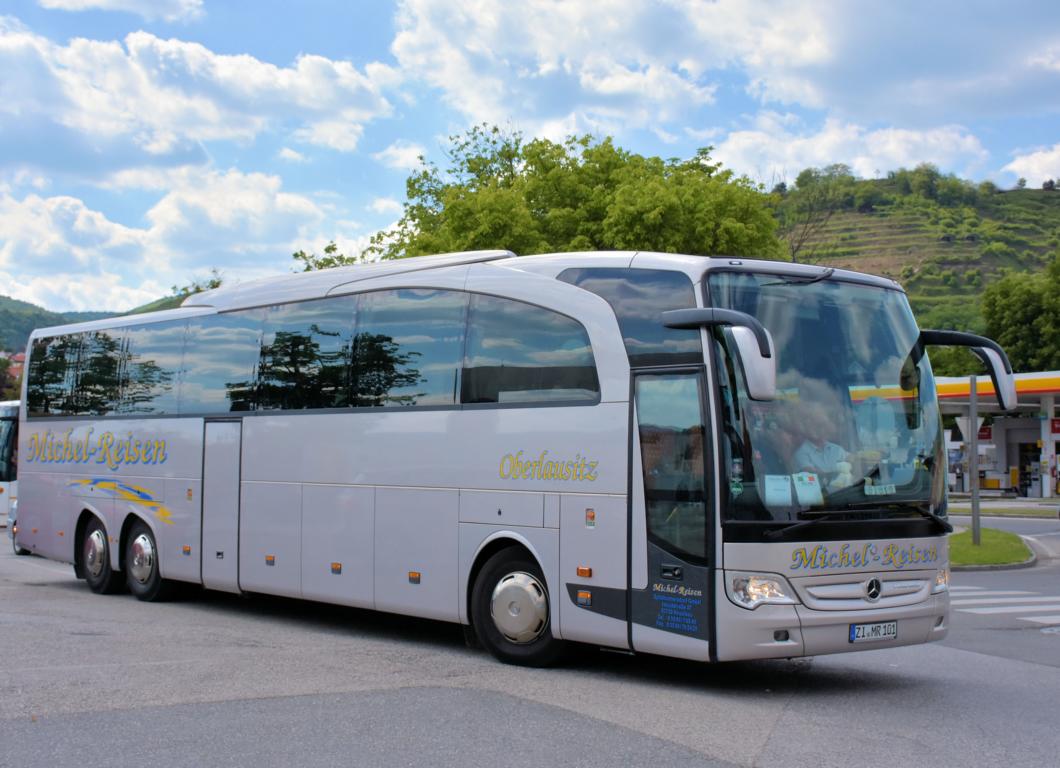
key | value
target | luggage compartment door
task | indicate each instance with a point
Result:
(222, 448)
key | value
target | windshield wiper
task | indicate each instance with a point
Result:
(942, 522)
(803, 280)
(776, 533)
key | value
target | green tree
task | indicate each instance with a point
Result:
(500, 191)
(198, 285)
(332, 258)
(1022, 312)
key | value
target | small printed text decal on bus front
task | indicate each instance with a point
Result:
(516, 466)
(105, 448)
(822, 557)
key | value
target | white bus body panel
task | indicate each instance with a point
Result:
(107, 468)
(338, 528)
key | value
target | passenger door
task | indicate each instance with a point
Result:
(670, 614)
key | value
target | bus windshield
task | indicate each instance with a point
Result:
(855, 429)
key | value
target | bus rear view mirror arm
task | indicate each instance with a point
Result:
(988, 351)
(753, 343)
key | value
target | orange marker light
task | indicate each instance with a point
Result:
(270, 559)
(414, 577)
(585, 572)
(336, 568)
(585, 598)
(186, 549)
(60, 533)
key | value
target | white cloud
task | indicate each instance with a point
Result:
(333, 134)
(774, 149)
(232, 218)
(169, 10)
(291, 156)
(65, 291)
(163, 97)
(245, 224)
(539, 60)
(385, 205)
(1037, 166)
(657, 64)
(403, 155)
(46, 235)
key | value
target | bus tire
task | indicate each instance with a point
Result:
(95, 560)
(142, 575)
(17, 549)
(510, 610)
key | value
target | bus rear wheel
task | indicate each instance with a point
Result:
(141, 565)
(95, 560)
(510, 611)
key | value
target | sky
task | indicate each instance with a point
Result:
(145, 142)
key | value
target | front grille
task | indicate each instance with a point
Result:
(850, 593)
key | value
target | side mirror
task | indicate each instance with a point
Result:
(754, 344)
(987, 350)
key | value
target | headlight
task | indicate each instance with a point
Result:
(942, 581)
(750, 590)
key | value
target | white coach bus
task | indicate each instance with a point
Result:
(704, 458)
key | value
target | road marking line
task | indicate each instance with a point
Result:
(1011, 609)
(1047, 620)
(1007, 600)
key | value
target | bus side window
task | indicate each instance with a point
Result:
(220, 362)
(305, 355)
(151, 368)
(408, 346)
(519, 353)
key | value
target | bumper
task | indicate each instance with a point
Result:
(787, 631)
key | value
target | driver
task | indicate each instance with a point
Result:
(817, 454)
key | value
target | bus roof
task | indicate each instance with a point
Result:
(280, 289)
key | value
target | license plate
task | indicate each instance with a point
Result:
(867, 633)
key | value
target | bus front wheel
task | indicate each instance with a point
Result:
(95, 560)
(141, 565)
(510, 611)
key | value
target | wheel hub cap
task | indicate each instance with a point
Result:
(142, 562)
(95, 553)
(519, 607)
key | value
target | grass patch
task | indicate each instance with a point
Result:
(996, 548)
(1044, 512)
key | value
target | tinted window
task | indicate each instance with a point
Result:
(151, 367)
(671, 444)
(220, 362)
(97, 383)
(519, 353)
(52, 375)
(638, 298)
(408, 347)
(8, 445)
(305, 355)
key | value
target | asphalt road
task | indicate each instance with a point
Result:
(213, 679)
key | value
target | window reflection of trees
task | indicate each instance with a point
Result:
(295, 372)
(381, 370)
